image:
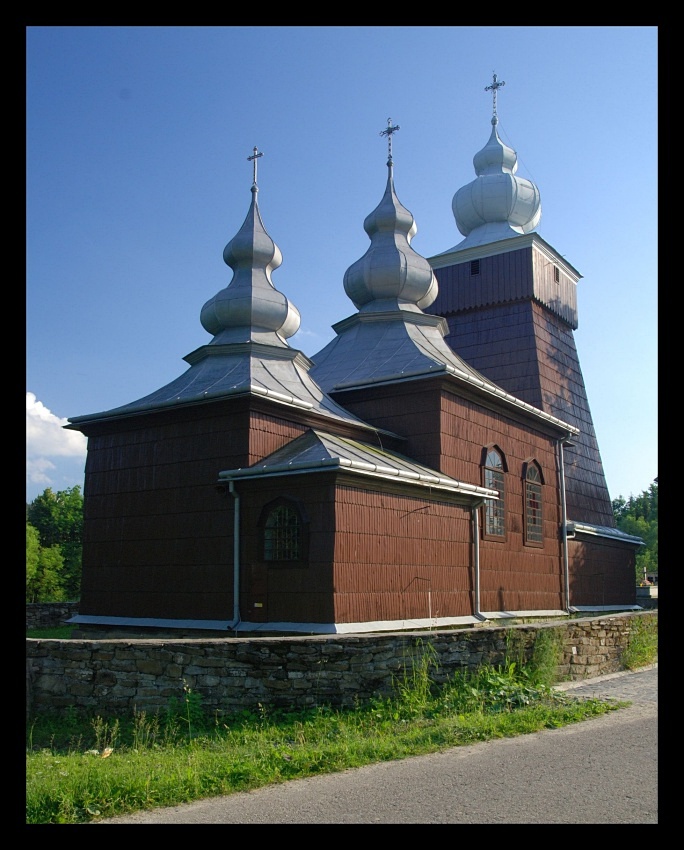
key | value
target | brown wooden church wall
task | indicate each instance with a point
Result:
(267, 434)
(513, 576)
(499, 342)
(542, 368)
(285, 592)
(560, 296)
(564, 395)
(411, 410)
(503, 277)
(157, 536)
(507, 277)
(372, 555)
(448, 433)
(400, 556)
(601, 572)
(529, 351)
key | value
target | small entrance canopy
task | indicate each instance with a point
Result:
(317, 451)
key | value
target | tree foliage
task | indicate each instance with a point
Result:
(55, 569)
(44, 570)
(58, 516)
(638, 515)
(32, 556)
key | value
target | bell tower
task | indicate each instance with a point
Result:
(510, 301)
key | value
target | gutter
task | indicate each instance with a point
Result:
(564, 522)
(236, 556)
(475, 510)
(362, 468)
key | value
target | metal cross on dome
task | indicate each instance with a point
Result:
(496, 84)
(253, 158)
(388, 132)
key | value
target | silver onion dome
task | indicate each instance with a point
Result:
(251, 303)
(497, 204)
(390, 270)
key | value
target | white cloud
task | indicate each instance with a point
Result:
(38, 469)
(45, 434)
(54, 457)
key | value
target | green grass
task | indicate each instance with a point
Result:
(642, 648)
(81, 769)
(57, 633)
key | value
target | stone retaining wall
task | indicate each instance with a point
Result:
(647, 597)
(116, 676)
(49, 615)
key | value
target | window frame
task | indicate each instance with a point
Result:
(295, 510)
(491, 510)
(533, 484)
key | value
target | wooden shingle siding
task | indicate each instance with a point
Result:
(529, 576)
(268, 434)
(454, 446)
(564, 395)
(411, 410)
(500, 343)
(394, 554)
(601, 572)
(156, 532)
(559, 296)
(522, 274)
(502, 277)
(282, 592)
(530, 352)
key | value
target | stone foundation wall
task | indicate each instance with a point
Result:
(49, 615)
(647, 597)
(116, 676)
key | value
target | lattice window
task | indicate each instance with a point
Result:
(533, 506)
(283, 534)
(494, 511)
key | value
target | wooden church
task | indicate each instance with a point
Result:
(434, 465)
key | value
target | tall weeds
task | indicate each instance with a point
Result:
(184, 754)
(642, 647)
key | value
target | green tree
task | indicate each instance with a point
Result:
(32, 557)
(58, 519)
(619, 508)
(58, 516)
(44, 570)
(638, 515)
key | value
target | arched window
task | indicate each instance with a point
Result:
(494, 466)
(283, 531)
(533, 504)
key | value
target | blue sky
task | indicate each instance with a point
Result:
(137, 176)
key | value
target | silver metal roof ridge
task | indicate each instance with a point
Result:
(326, 452)
(603, 531)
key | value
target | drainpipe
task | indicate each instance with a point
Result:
(476, 559)
(236, 556)
(564, 522)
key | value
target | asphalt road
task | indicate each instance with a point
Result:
(602, 770)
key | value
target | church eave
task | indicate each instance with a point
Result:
(454, 256)
(477, 389)
(387, 473)
(306, 409)
(591, 530)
